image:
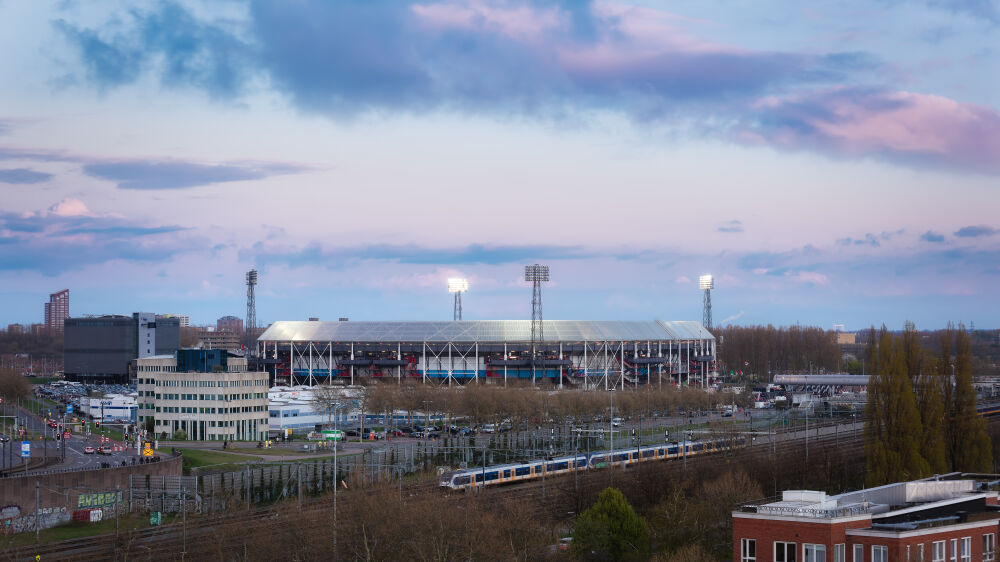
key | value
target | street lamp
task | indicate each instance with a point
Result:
(458, 286)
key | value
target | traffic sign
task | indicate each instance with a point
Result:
(147, 451)
(66, 435)
(154, 518)
(333, 434)
(25, 449)
(69, 408)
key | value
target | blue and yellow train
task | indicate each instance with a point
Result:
(472, 478)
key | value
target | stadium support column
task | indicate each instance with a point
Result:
(329, 379)
(606, 365)
(423, 371)
(621, 362)
(352, 363)
(476, 374)
(291, 363)
(309, 349)
(560, 366)
(505, 364)
(586, 377)
(451, 364)
(659, 366)
(399, 368)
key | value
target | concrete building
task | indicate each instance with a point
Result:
(952, 518)
(209, 394)
(101, 347)
(57, 311)
(185, 320)
(220, 340)
(109, 407)
(229, 324)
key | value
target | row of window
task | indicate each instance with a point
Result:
(193, 410)
(960, 551)
(211, 423)
(220, 397)
(204, 383)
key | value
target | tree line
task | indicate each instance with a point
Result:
(921, 410)
(762, 351)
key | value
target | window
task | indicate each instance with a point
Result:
(859, 553)
(748, 550)
(966, 549)
(989, 547)
(937, 551)
(880, 553)
(954, 550)
(784, 551)
(839, 553)
(814, 553)
(920, 553)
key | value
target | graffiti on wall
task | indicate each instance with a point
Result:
(101, 499)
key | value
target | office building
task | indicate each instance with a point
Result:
(229, 324)
(185, 320)
(57, 311)
(101, 347)
(207, 394)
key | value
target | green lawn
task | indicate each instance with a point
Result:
(194, 458)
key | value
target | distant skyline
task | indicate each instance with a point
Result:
(834, 163)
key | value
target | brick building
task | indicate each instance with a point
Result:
(57, 311)
(951, 518)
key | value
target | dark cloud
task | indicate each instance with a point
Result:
(731, 226)
(975, 231)
(51, 244)
(23, 175)
(136, 174)
(931, 236)
(345, 57)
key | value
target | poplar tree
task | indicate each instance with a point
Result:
(921, 369)
(972, 449)
(894, 443)
(947, 388)
(876, 438)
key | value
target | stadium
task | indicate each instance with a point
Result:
(570, 353)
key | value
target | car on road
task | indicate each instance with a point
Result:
(4, 438)
(104, 450)
(89, 450)
(615, 422)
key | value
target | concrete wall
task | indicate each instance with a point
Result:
(62, 489)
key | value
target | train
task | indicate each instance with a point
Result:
(472, 478)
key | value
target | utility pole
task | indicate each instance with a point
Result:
(38, 522)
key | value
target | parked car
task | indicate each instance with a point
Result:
(398, 433)
(615, 422)
(4, 438)
(88, 450)
(352, 433)
(464, 431)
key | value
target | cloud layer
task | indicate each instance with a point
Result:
(546, 60)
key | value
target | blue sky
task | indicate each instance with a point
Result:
(833, 162)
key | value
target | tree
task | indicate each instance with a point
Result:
(13, 385)
(611, 530)
(894, 432)
(922, 370)
(972, 451)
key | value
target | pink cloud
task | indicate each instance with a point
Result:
(520, 22)
(919, 128)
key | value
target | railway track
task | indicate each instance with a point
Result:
(214, 534)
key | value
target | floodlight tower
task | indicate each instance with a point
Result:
(457, 286)
(537, 274)
(707, 283)
(250, 326)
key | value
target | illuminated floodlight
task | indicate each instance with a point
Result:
(457, 285)
(706, 282)
(536, 272)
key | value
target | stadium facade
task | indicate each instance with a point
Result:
(587, 354)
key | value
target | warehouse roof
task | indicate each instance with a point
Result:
(483, 331)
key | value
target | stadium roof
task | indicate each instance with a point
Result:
(482, 331)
